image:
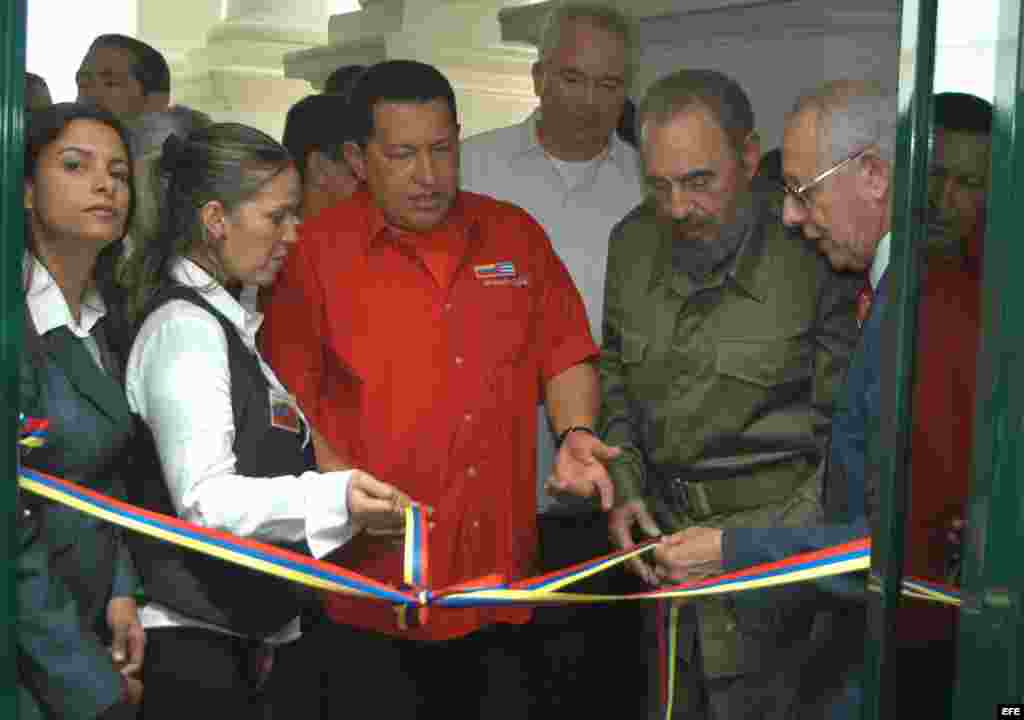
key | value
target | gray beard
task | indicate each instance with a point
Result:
(699, 258)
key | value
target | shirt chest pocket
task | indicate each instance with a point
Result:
(505, 320)
(647, 373)
(766, 363)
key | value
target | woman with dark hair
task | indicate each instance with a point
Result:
(233, 448)
(78, 201)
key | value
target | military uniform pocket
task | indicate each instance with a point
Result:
(634, 345)
(765, 363)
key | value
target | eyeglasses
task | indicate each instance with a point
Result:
(799, 193)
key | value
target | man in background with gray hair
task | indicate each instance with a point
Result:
(837, 158)
(564, 164)
(567, 167)
(725, 341)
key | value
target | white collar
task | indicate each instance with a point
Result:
(246, 319)
(616, 150)
(881, 261)
(49, 308)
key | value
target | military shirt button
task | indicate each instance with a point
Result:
(730, 626)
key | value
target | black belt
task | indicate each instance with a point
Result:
(728, 493)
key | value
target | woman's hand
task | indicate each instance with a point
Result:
(377, 506)
(128, 640)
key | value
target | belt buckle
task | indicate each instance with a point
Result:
(679, 496)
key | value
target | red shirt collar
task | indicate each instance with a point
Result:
(462, 219)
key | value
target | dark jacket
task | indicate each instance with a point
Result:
(834, 667)
(71, 564)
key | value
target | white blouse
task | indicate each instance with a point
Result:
(178, 380)
(49, 309)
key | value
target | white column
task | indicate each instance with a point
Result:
(237, 74)
(461, 37)
(175, 29)
(278, 13)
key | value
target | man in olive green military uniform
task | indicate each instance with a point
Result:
(725, 341)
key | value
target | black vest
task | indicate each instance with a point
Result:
(196, 585)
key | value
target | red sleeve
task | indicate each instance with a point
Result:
(563, 335)
(292, 335)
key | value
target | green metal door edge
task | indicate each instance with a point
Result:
(12, 120)
(889, 435)
(991, 629)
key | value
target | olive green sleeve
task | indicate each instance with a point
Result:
(616, 420)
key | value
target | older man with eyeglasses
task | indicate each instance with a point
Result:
(725, 340)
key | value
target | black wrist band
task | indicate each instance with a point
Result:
(575, 428)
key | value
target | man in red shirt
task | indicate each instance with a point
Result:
(948, 326)
(419, 327)
(944, 391)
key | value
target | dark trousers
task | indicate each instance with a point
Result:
(189, 672)
(374, 675)
(771, 692)
(583, 657)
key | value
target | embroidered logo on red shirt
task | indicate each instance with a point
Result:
(497, 270)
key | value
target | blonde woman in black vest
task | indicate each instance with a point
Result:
(235, 450)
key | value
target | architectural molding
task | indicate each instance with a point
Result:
(237, 73)
(661, 21)
(353, 38)
(315, 65)
(460, 37)
(377, 18)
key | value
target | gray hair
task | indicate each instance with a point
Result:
(150, 131)
(685, 89)
(601, 15)
(852, 115)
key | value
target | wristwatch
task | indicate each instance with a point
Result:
(575, 428)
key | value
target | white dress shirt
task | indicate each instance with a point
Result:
(178, 380)
(880, 261)
(49, 309)
(577, 204)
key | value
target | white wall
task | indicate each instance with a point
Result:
(966, 38)
(775, 70)
(775, 53)
(60, 32)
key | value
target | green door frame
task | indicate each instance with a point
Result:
(888, 459)
(991, 629)
(12, 131)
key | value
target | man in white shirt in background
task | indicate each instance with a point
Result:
(566, 166)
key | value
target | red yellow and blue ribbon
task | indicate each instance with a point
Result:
(231, 548)
(415, 567)
(32, 432)
(413, 599)
(490, 591)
